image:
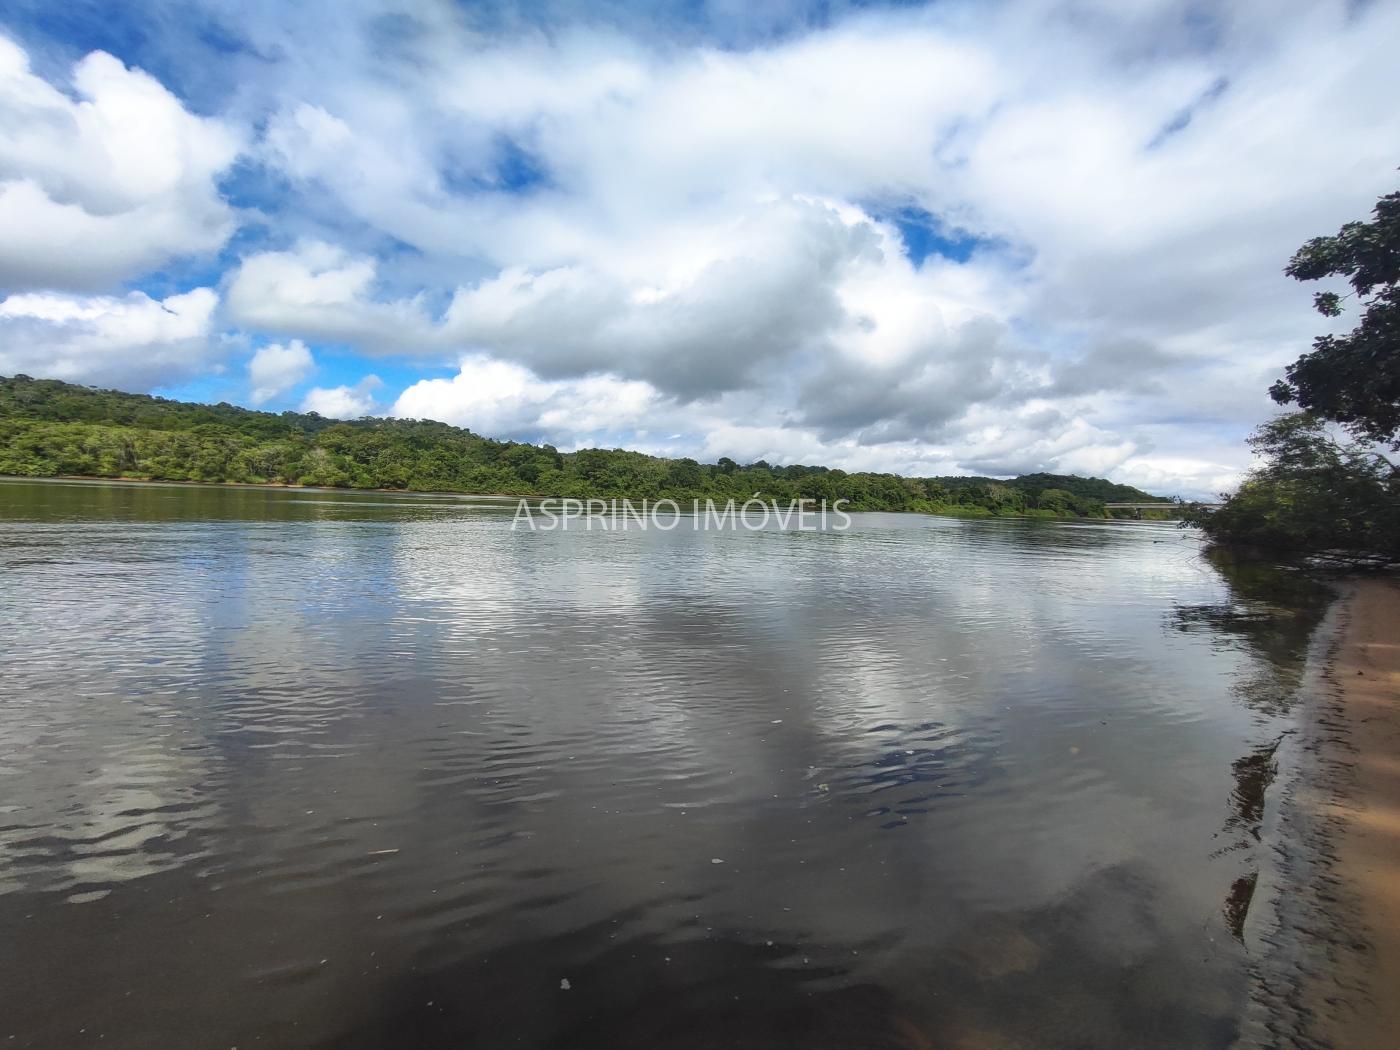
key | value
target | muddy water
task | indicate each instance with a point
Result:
(332, 770)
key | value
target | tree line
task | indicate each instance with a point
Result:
(1327, 482)
(49, 428)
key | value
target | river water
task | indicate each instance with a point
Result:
(315, 769)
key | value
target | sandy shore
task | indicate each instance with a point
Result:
(1367, 814)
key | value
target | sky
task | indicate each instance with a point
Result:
(991, 237)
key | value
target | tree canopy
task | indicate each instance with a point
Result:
(1354, 379)
(50, 428)
(1312, 494)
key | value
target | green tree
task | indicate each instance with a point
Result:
(1354, 379)
(1312, 494)
(1057, 501)
(684, 474)
(49, 427)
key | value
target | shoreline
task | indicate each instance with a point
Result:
(1364, 814)
(968, 513)
(277, 486)
(1327, 947)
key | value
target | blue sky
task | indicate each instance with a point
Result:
(1000, 237)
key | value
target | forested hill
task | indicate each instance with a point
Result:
(50, 428)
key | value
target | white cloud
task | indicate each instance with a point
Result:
(1180, 475)
(708, 222)
(276, 368)
(501, 399)
(133, 342)
(343, 402)
(740, 298)
(107, 186)
(623, 238)
(320, 291)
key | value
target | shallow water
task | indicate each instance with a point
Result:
(311, 769)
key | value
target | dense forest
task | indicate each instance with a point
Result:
(1326, 482)
(50, 428)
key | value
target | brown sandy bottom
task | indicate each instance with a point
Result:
(1328, 946)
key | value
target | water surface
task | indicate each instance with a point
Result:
(314, 769)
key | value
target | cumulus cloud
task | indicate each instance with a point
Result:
(764, 289)
(1045, 234)
(1187, 476)
(343, 402)
(715, 223)
(107, 184)
(133, 342)
(319, 291)
(276, 368)
(503, 399)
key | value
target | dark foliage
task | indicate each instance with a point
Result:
(1354, 379)
(50, 428)
(1312, 495)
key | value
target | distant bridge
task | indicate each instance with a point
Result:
(1161, 506)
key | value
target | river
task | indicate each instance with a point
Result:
(329, 769)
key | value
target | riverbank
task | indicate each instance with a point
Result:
(937, 510)
(1366, 814)
(278, 486)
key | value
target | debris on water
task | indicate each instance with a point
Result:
(85, 898)
(564, 985)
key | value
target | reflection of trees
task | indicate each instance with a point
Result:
(1270, 614)
(1238, 902)
(1254, 774)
